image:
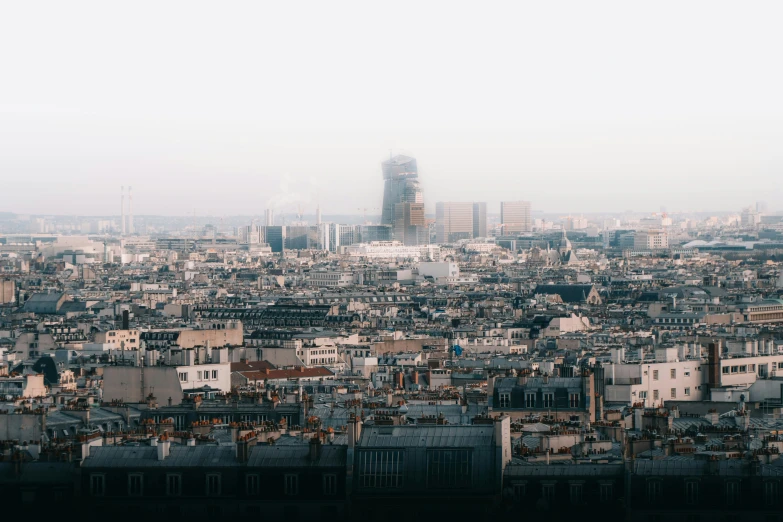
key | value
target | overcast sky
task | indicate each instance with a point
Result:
(226, 107)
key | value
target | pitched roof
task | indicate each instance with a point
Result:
(568, 293)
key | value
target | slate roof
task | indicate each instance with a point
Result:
(147, 457)
(296, 456)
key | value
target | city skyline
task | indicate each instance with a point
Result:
(579, 124)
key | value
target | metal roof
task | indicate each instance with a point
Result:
(427, 436)
(564, 470)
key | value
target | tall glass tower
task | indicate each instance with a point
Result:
(403, 201)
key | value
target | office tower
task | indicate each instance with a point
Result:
(268, 217)
(479, 220)
(403, 201)
(275, 237)
(453, 221)
(515, 217)
(369, 233)
(297, 237)
(410, 227)
(318, 215)
(122, 210)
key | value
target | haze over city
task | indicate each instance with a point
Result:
(577, 107)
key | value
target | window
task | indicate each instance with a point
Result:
(642, 394)
(732, 493)
(173, 485)
(673, 392)
(380, 468)
(183, 377)
(449, 468)
(655, 395)
(330, 484)
(771, 493)
(605, 492)
(530, 400)
(653, 491)
(687, 392)
(575, 493)
(213, 484)
(199, 375)
(252, 485)
(549, 400)
(291, 484)
(691, 492)
(520, 490)
(673, 373)
(548, 492)
(505, 400)
(573, 400)
(725, 369)
(97, 484)
(655, 375)
(214, 375)
(135, 484)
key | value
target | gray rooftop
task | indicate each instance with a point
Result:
(427, 436)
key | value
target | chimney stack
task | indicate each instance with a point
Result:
(130, 210)
(122, 210)
(163, 448)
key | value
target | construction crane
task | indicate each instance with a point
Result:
(364, 212)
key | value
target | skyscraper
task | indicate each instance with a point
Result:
(479, 220)
(403, 201)
(453, 221)
(515, 217)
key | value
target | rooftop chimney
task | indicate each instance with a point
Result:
(122, 210)
(130, 210)
(163, 449)
(315, 448)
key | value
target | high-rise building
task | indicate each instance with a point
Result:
(651, 239)
(453, 221)
(515, 216)
(268, 217)
(479, 220)
(403, 201)
(410, 226)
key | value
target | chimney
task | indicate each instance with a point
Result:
(389, 399)
(154, 441)
(503, 437)
(243, 451)
(163, 449)
(191, 442)
(315, 448)
(130, 210)
(354, 430)
(122, 210)
(713, 365)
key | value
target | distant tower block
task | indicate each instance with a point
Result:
(268, 217)
(122, 210)
(318, 215)
(130, 210)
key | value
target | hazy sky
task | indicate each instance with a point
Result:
(225, 106)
